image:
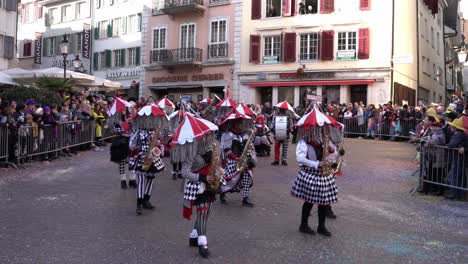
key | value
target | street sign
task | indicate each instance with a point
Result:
(346, 55)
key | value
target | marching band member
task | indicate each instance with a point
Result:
(146, 162)
(262, 137)
(281, 141)
(119, 151)
(234, 143)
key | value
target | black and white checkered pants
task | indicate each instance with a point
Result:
(124, 174)
(145, 185)
(246, 182)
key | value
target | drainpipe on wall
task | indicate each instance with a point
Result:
(392, 52)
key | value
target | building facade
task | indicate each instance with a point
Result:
(8, 15)
(343, 50)
(43, 24)
(188, 48)
(117, 42)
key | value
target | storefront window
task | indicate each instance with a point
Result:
(266, 94)
(331, 94)
(359, 93)
(304, 91)
(286, 94)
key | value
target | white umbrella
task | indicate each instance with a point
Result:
(6, 79)
(58, 73)
(18, 73)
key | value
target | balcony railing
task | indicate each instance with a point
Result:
(171, 57)
(219, 50)
(173, 7)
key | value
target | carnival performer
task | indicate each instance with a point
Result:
(146, 163)
(281, 137)
(234, 143)
(119, 152)
(262, 137)
(199, 156)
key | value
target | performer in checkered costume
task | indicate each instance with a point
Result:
(232, 145)
(312, 186)
(282, 144)
(140, 141)
(119, 151)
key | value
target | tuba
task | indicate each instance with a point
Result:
(242, 161)
(149, 153)
(215, 174)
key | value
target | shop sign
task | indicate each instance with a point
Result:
(86, 44)
(270, 59)
(179, 78)
(186, 97)
(308, 75)
(346, 55)
(208, 77)
(38, 49)
(261, 76)
(313, 97)
(59, 63)
(185, 78)
(122, 74)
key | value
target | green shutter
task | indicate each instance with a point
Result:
(96, 32)
(139, 21)
(122, 57)
(111, 2)
(137, 56)
(108, 58)
(95, 60)
(109, 28)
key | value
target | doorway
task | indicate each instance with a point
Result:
(359, 93)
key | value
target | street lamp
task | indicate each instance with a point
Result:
(78, 65)
(64, 45)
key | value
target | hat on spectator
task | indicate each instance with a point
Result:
(432, 112)
(30, 102)
(39, 111)
(451, 115)
(457, 123)
(46, 108)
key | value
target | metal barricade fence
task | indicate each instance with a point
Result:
(378, 127)
(443, 167)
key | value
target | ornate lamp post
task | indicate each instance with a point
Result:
(64, 45)
(78, 64)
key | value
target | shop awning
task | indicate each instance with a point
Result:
(310, 83)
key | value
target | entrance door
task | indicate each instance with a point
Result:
(218, 91)
(331, 94)
(359, 93)
(266, 95)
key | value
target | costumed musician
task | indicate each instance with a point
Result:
(119, 152)
(281, 127)
(262, 140)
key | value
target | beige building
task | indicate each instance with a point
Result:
(344, 50)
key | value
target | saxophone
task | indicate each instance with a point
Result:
(215, 174)
(242, 161)
(148, 161)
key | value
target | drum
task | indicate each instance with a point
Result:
(281, 127)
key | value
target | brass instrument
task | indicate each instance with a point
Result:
(339, 161)
(242, 161)
(148, 155)
(329, 167)
(215, 173)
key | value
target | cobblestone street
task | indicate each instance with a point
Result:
(73, 211)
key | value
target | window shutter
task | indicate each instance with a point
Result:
(256, 9)
(108, 58)
(286, 8)
(109, 28)
(57, 40)
(140, 20)
(137, 56)
(254, 49)
(122, 57)
(98, 3)
(96, 32)
(289, 47)
(23, 13)
(8, 47)
(111, 2)
(45, 47)
(327, 44)
(124, 24)
(95, 61)
(365, 4)
(11, 5)
(327, 6)
(363, 50)
(40, 11)
(293, 8)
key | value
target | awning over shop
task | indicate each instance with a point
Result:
(311, 83)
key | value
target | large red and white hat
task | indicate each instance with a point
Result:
(243, 109)
(234, 114)
(151, 110)
(118, 106)
(206, 100)
(227, 102)
(192, 128)
(317, 118)
(163, 103)
(285, 105)
(179, 113)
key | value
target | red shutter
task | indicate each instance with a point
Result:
(327, 44)
(293, 8)
(435, 7)
(363, 50)
(256, 9)
(365, 4)
(254, 49)
(40, 10)
(289, 47)
(327, 6)
(286, 8)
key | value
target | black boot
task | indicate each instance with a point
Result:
(193, 242)
(139, 209)
(330, 213)
(132, 184)
(179, 175)
(203, 251)
(123, 184)
(174, 175)
(247, 202)
(322, 215)
(146, 203)
(274, 163)
(304, 227)
(222, 198)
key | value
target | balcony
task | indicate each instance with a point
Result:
(174, 7)
(174, 57)
(218, 51)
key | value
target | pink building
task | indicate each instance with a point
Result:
(188, 50)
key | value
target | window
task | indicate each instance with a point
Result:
(103, 29)
(308, 7)
(29, 12)
(27, 49)
(309, 47)
(49, 46)
(66, 13)
(438, 43)
(347, 46)
(131, 57)
(273, 8)
(424, 64)
(159, 38)
(347, 5)
(3, 4)
(432, 37)
(272, 49)
(117, 29)
(80, 10)
(134, 23)
(79, 42)
(434, 72)
(218, 42)
(119, 58)
(426, 30)
(53, 16)
(187, 36)
(421, 26)
(102, 60)
(428, 67)
(2, 40)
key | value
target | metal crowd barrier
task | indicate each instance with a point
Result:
(441, 167)
(6, 146)
(378, 127)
